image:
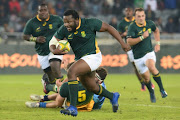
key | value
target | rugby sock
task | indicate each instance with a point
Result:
(51, 87)
(73, 91)
(46, 98)
(148, 85)
(42, 104)
(157, 78)
(105, 93)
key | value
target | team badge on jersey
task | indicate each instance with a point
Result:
(50, 26)
(83, 34)
(38, 29)
(144, 29)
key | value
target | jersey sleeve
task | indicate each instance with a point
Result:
(64, 91)
(153, 25)
(120, 27)
(95, 24)
(131, 32)
(28, 30)
(60, 34)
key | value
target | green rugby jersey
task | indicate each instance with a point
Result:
(83, 40)
(123, 26)
(36, 27)
(84, 96)
(145, 46)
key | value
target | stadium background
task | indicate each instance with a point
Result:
(18, 56)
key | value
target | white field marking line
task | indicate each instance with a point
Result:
(150, 105)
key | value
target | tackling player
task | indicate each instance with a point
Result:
(82, 103)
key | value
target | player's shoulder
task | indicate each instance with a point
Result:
(90, 20)
(56, 17)
(31, 20)
(132, 24)
(64, 85)
(150, 22)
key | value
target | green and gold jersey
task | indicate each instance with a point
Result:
(123, 26)
(36, 27)
(145, 46)
(83, 40)
(84, 96)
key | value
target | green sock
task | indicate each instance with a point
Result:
(105, 93)
(157, 78)
(73, 91)
(51, 87)
(148, 85)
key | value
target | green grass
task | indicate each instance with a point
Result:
(134, 104)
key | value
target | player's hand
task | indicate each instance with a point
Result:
(157, 48)
(126, 47)
(59, 83)
(65, 62)
(60, 52)
(125, 33)
(146, 34)
(41, 39)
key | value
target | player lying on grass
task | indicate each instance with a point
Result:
(84, 102)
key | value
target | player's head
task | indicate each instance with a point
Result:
(140, 16)
(71, 20)
(128, 12)
(100, 75)
(43, 12)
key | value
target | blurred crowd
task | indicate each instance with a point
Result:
(15, 13)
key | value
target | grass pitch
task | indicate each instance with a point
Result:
(134, 104)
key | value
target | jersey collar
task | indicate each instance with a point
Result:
(140, 25)
(40, 19)
(79, 24)
(127, 20)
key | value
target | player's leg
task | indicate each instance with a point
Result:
(143, 70)
(131, 59)
(88, 80)
(57, 103)
(47, 86)
(42, 98)
(150, 63)
(78, 68)
(55, 63)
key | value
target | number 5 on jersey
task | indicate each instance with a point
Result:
(81, 96)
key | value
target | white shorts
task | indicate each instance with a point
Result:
(93, 60)
(44, 60)
(130, 55)
(141, 62)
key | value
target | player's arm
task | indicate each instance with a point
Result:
(39, 39)
(157, 38)
(131, 40)
(124, 34)
(28, 30)
(52, 47)
(111, 30)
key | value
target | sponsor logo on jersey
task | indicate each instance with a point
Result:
(70, 36)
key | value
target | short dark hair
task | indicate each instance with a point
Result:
(74, 13)
(138, 9)
(102, 72)
(42, 4)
